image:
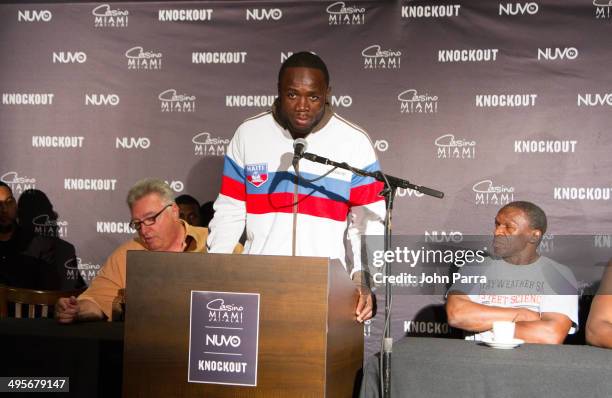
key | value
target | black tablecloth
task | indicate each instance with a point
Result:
(89, 353)
(428, 367)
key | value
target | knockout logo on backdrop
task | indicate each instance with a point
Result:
(449, 147)
(340, 14)
(138, 59)
(105, 17)
(489, 194)
(376, 58)
(433, 11)
(413, 102)
(207, 146)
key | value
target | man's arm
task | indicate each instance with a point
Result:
(365, 303)
(550, 328)
(69, 310)
(228, 223)
(599, 324)
(463, 313)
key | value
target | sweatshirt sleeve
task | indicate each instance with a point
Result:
(228, 223)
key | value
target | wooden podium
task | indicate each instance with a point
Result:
(310, 344)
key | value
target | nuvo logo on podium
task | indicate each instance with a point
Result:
(223, 338)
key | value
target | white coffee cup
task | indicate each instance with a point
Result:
(503, 331)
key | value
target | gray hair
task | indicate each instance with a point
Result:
(147, 186)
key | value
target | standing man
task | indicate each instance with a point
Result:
(156, 218)
(534, 291)
(259, 181)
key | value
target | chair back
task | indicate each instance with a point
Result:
(27, 300)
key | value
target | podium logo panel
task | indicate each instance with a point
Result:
(223, 338)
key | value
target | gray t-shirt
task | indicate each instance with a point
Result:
(542, 286)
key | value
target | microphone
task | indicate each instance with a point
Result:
(299, 147)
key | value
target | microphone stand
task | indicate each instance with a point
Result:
(390, 188)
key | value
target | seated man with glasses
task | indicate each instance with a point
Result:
(155, 216)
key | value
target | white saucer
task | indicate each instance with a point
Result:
(506, 345)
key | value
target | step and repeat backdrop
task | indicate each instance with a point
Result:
(487, 101)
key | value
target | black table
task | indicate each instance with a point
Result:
(89, 353)
(428, 367)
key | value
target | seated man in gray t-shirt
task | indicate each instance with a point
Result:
(534, 291)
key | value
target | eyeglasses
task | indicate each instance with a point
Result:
(10, 202)
(137, 224)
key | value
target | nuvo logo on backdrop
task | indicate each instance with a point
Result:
(205, 145)
(374, 57)
(603, 9)
(139, 59)
(413, 102)
(515, 9)
(107, 17)
(489, 194)
(18, 184)
(264, 14)
(101, 99)
(344, 101)
(449, 147)
(341, 14)
(595, 99)
(431, 11)
(34, 15)
(381, 145)
(132, 143)
(557, 53)
(176, 185)
(170, 101)
(69, 57)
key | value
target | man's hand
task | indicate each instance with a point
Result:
(364, 305)
(526, 315)
(67, 309)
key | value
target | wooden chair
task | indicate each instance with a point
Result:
(26, 301)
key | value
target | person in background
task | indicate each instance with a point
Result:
(155, 216)
(522, 286)
(189, 210)
(599, 323)
(32, 254)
